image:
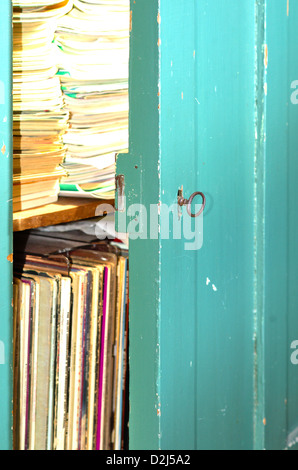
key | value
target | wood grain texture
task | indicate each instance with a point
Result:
(65, 210)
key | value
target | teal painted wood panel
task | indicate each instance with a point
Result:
(207, 144)
(211, 91)
(281, 241)
(142, 186)
(189, 342)
(292, 236)
(6, 227)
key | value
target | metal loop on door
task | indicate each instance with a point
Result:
(188, 202)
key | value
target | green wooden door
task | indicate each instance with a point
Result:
(280, 324)
(214, 318)
(6, 227)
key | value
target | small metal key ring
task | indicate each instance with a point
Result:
(188, 202)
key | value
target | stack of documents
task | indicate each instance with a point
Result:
(92, 41)
(39, 116)
(70, 344)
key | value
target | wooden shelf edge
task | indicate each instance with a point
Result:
(64, 211)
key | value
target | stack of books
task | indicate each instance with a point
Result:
(70, 344)
(93, 51)
(39, 117)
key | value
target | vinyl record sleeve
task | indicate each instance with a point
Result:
(85, 342)
(62, 363)
(89, 389)
(46, 287)
(16, 360)
(32, 367)
(103, 364)
(59, 403)
(107, 364)
(27, 288)
(117, 346)
(120, 360)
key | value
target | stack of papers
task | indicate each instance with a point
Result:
(92, 43)
(39, 116)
